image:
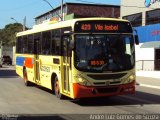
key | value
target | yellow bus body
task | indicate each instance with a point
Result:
(79, 84)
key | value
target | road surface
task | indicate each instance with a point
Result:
(16, 98)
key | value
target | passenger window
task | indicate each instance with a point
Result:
(30, 44)
(46, 43)
(56, 42)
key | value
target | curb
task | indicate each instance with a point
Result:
(149, 86)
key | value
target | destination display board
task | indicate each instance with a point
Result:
(102, 26)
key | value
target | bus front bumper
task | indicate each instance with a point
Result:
(81, 91)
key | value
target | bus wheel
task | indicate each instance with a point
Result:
(26, 82)
(57, 89)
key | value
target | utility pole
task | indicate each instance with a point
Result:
(24, 24)
(1, 48)
(62, 10)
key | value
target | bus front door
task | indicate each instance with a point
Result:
(37, 61)
(66, 65)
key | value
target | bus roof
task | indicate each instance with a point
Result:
(49, 25)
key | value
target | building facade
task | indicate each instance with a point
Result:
(145, 18)
(79, 10)
(141, 12)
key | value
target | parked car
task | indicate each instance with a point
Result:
(6, 60)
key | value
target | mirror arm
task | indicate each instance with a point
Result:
(136, 37)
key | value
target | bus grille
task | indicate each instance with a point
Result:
(106, 76)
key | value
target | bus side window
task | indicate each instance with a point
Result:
(55, 43)
(18, 45)
(37, 43)
(25, 44)
(30, 44)
(46, 43)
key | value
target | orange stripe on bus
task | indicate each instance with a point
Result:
(29, 62)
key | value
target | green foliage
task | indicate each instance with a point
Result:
(8, 34)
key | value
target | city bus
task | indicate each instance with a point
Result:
(79, 58)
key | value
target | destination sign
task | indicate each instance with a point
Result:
(103, 27)
(99, 27)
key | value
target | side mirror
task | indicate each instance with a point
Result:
(136, 39)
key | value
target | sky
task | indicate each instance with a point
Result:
(18, 9)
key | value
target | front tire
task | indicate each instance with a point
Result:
(57, 89)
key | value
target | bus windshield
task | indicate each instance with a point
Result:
(104, 52)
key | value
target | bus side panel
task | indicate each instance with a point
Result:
(19, 65)
(46, 68)
(29, 65)
(25, 62)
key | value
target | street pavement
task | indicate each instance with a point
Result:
(149, 79)
(16, 98)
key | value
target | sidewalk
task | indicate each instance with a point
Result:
(148, 79)
(150, 74)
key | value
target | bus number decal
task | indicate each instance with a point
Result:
(97, 62)
(45, 69)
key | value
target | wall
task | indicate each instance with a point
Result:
(149, 37)
(8, 51)
(129, 7)
(14, 56)
(0, 56)
(1, 52)
(82, 10)
(149, 33)
(91, 11)
(144, 58)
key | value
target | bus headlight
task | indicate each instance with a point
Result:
(80, 79)
(131, 78)
(83, 81)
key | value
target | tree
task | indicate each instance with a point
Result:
(2, 35)
(8, 34)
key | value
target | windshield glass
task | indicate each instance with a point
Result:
(104, 52)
